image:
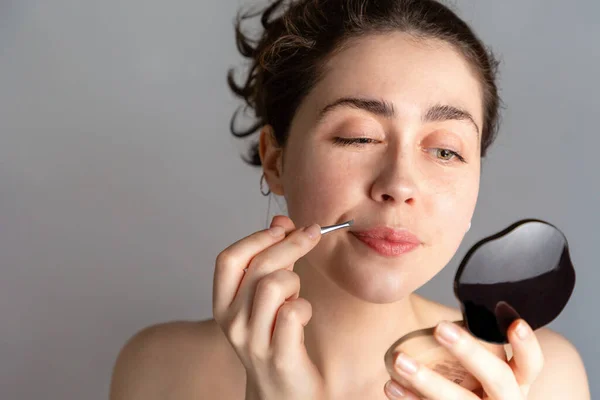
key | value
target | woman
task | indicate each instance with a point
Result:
(376, 111)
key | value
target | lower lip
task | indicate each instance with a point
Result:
(387, 248)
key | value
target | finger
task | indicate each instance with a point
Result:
(271, 293)
(283, 221)
(494, 374)
(528, 359)
(288, 225)
(230, 264)
(278, 256)
(427, 383)
(286, 252)
(394, 390)
(288, 332)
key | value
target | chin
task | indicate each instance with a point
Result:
(377, 285)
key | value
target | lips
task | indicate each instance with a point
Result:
(387, 241)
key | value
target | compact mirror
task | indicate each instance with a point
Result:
(525, 271)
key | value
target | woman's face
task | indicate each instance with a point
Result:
(417, 107)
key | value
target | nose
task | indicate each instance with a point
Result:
(396, 182)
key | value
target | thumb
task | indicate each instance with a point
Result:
(283, 221)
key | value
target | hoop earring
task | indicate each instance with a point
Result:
(262, 182)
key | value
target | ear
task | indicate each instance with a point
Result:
(271, 157)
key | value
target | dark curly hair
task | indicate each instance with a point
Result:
(299, 36)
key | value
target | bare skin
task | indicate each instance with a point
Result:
(180, 360)
(187, 360)
(407, 175)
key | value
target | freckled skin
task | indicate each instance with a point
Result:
(400, 180)
(360, 302)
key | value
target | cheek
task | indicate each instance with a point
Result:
(449, 206)
(452, 203)
(317, 188)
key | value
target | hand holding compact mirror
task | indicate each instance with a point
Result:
(524, 271)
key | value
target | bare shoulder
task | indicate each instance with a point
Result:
(179, 360)
(563, 375)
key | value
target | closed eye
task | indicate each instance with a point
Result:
(353, 141)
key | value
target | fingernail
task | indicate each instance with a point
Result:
(313, 231)
(448, 332)
(406, 364)
(394, 391)
(522, 330)
(277, 231)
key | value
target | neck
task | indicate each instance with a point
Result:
(347, 337)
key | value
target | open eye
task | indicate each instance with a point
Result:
(447, 155)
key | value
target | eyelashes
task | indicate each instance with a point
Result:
(353, 141)
(442, 154)
(453, 154)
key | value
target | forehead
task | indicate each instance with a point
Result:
(410, 73)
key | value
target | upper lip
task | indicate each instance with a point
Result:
(389, 234)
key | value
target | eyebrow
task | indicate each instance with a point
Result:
(435, 113)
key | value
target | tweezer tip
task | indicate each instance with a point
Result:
(351, 222)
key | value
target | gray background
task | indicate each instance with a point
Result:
(119, 181)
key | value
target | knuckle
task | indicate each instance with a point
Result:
(422, 377)
(291, 275)
(259, 264)
(464, 346)
(286, 276)
(288, 313)
(224, 259)
(468, 346)
(236, 332)
(268, 287)
(299, 240)
(295, 280)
